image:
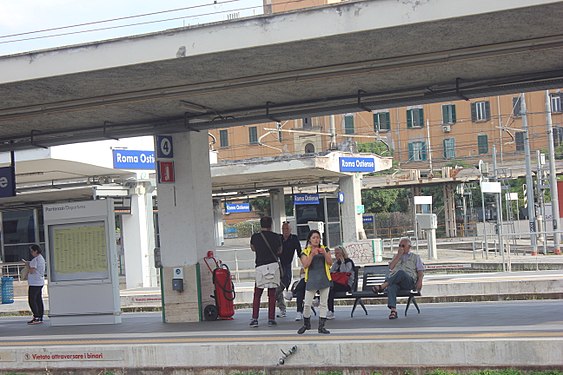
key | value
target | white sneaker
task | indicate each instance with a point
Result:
(281, 314)
(330, 315)
(299, 316)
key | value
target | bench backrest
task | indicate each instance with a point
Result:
(374, 275)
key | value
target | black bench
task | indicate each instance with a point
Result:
(348, 295)
(375, 275)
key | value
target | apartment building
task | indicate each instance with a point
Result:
(445, 133)
(459, 131)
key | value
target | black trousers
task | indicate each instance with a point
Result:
(333, 289)
(35, 299)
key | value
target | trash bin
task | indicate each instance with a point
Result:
(7, 289)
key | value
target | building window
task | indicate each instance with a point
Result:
(517, 106)
(381, 121)
(415, 118)
(519, 140)
(307, 124)
(480, 111)
(223, 138)
(483, 144)
(417, 151)
(448, 114)
(349, 123)
(252, 135)
(449, 148)
(556, 103)
(309, 148)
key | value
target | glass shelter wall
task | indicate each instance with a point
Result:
(328, 212)
(20, 229)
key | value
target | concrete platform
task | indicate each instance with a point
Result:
(453, 335)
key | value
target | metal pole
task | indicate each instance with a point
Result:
(529, 179)
(484, 225)
(486, 245)
(499, 210)
(552, 176)
(429, 146)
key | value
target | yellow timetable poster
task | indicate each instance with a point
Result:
(80, 248)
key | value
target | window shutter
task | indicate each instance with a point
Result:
(387, 120)
(474, 112)
(445, 119)
(411, 151)
(348, 124)
(454, 119)
(445, 145)
(423, 151)
(420, 117)
(409, 118)
(483, 144)
(487, 111)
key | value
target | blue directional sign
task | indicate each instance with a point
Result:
(232, 208)
(351, 164)
(367, 219)
(7, 183)
(133, 159)
(305, 199)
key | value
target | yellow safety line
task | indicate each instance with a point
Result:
(231, 340)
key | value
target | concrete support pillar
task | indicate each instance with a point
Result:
(352, 224)
(186, 228)
(218, 219)
(277, 204)
(449, 210)
(138, 238)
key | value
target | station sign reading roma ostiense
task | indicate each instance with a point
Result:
(351, 164)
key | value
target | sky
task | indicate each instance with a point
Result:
(28, 16)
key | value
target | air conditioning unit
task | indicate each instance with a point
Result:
(446, 128)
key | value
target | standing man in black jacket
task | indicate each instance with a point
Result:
(290, 245)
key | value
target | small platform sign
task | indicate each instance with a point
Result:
(164, 147)
(166, 172)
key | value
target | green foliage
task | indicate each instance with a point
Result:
(385, 200)
(247, 228)
(378, 147)
(261, 205)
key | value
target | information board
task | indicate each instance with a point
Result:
(78, 251)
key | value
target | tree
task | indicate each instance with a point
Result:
(385, 200)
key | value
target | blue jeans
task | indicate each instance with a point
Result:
(399, 280)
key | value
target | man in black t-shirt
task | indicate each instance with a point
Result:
(290, 246)
(267, 246)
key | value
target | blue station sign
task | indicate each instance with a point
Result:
(305, 199)
(133, 159)
(232, 208)
(367, 219)
(350, 164)
(7, 183)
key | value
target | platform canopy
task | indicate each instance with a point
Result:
(352, 56)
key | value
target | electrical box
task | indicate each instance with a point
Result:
(427, 221)
(178, 279)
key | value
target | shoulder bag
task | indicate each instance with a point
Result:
(273, 253)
